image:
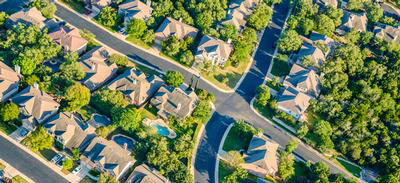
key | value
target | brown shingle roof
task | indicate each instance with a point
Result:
(294, 101)
(174, 101)
(387, 32)
(304, 80)
(36, 103)
(352, 20)
(171, 27)
(8, 80)
(31, 16)
(98, 69)
(308, 50)
(136, 9)
(70, 40)
(146, 174)
(109, 155)
(238, 11)
(210, 46)
(136, 86)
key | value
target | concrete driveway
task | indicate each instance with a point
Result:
(16, 135)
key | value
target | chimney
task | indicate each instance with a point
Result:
(180, 19)
(36, 85)
(148, 3)
(178, 107)
(125, 146)
(134, 81)
(93, 67)
(17, 69)
(229, 41)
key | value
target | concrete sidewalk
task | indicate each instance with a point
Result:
(11, 172)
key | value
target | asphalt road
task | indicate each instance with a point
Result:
(27, 164)
(228, 106)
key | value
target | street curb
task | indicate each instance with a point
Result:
(161, 57)
(219, 150)
(19, 173)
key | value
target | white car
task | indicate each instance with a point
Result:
(56, 158)
(77, 170)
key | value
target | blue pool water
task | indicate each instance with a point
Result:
(163, 131)
(101, 120)
(121, 140)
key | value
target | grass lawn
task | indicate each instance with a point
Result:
(275, 87)
(149, 113)
(233, 75)
(18, 179)
(2, 167)
(224, 170)
(265, 111)
(87, 180)
(147, 70)
(76, 5)
(6, 128)
(138, 42)
(355, 170)
(280, 68)
(235, 142)
(47, 154)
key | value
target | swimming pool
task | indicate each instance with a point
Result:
(162, 130)
(101, 120)
(123, 141)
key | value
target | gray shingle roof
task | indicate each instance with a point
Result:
(31, 16)
(387, 32)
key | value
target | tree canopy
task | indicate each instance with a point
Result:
(76, 96)
(290, 41)
(8, 111)
(38, 140)
(174, 78)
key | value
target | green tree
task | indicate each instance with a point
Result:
(374, 12)
(228, 32)
(234, 158)
(291, 146)
(45, 6)
(325, 25)
(106, 179)
(286, 165)
(38, 140)
(76, 96)
(136, 28)
(355, 4)
(324, 130)
(104, 100)
(68, 164)
(127, 119)
(302, 131)
(186, 58)
(72, 70)
(263, 95)
(118, 59)
(335, 14)
(149, 36)
(290, 41)
(3, 18)
(171, 46)
(75, 154)
(260, 17)
(107, 16)
(174, 78)
(9, 111)
(307, 26)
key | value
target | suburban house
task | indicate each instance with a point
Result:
(97, 68)
(352, 20)
(35, 106)
(69, 39)
(325, 43)
(95, 6)
(27, 16)
(303, 80)
(146, 174)
(171, 27)
(136, 86)
(293, 102)
(69, 130)
(387, 33)
(174, 101)
(214, 50)
(135, 9)
(238, 12)
(312, 52)
(333, 3)
(9, 80)
(261, 157)
(107, 156)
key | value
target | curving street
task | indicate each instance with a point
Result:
(229, 106)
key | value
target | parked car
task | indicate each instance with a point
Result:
(56, 158)
(60, 162)
(77, 170)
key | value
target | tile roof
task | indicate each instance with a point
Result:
(136, 9)
(27, 16)
(209, 46)
(70, 40)
(262, 153)
(35, 103)
(387, 32)
(109, 155)
(69, 128)
(313, 52)
(352, 20)
(146, 174)
(8, 80)
(294, 101)
(98, 70)
(136, 86)
(238, 11)
(171, 27)
(304, 80)
(174, 101)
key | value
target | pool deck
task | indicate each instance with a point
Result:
(161, 122)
